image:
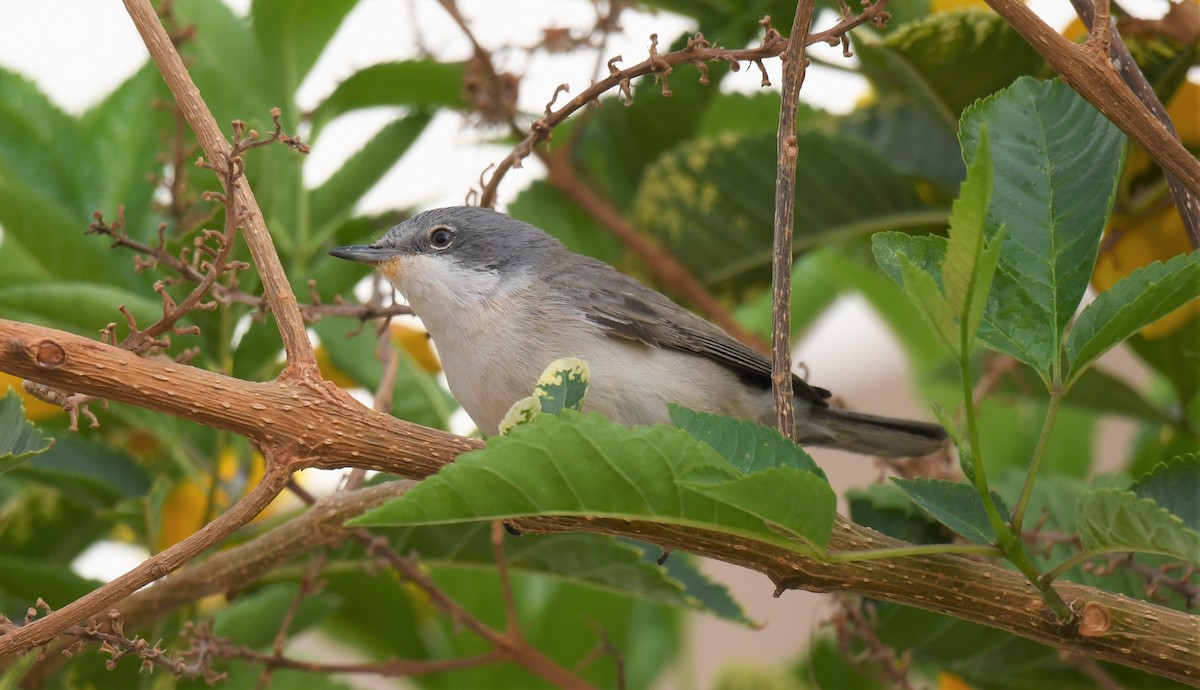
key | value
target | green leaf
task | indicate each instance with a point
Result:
(38, 143)
(748, 446)
(416, 83)
(796, 502)
(756, 112)
(334, 200)
(563, 385)
(589, 560)
(1174, 486)
(292, 34)
(76, 306)
(711, 201)
(886, 508)
(87, 472)
(1136, 300)
(926, 252)
(29, 579)
(954, 504)
(20, 440)
(1056, 163)
(1115, 520)
(931, 61)
(714, 596)
(616, 144)
(121, 167)
(970, 262)
(42, 525)
(911, 138)
(922, 289)
(588, 466)
(230, 66)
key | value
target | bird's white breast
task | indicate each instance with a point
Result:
(493, 350)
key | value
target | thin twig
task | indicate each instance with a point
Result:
(794, 66)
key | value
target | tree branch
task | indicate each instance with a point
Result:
(324, 427)
(1089, 70)
(795, 63)
(1186, 201)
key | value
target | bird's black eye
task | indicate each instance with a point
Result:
(440, 238)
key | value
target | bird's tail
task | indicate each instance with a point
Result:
(870, 434)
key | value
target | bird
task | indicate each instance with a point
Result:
(502, 299)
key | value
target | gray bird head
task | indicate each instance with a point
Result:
(445, 257)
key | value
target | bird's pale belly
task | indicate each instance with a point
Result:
(630, 383)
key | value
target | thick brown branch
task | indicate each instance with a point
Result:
(326, 428)
(1186, 201)
(1089, 71)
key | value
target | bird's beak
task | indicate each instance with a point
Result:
(364, 253)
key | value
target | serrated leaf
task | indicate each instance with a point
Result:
(922, 289)
(1115, 520)
(926, 252)
(748, 446)
(20, 440)
(970, 263)
(796, 502)
(415, 83)
(590, 560)
(585, 465)
(886, 508)
(1136, 300)
(563, 385)
(965, 241)
(1056, 163)
(930, 61)
(715, 596)
(1174, 486)
(955, 505)
(711, 201)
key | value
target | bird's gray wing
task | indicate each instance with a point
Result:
(627, 309)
